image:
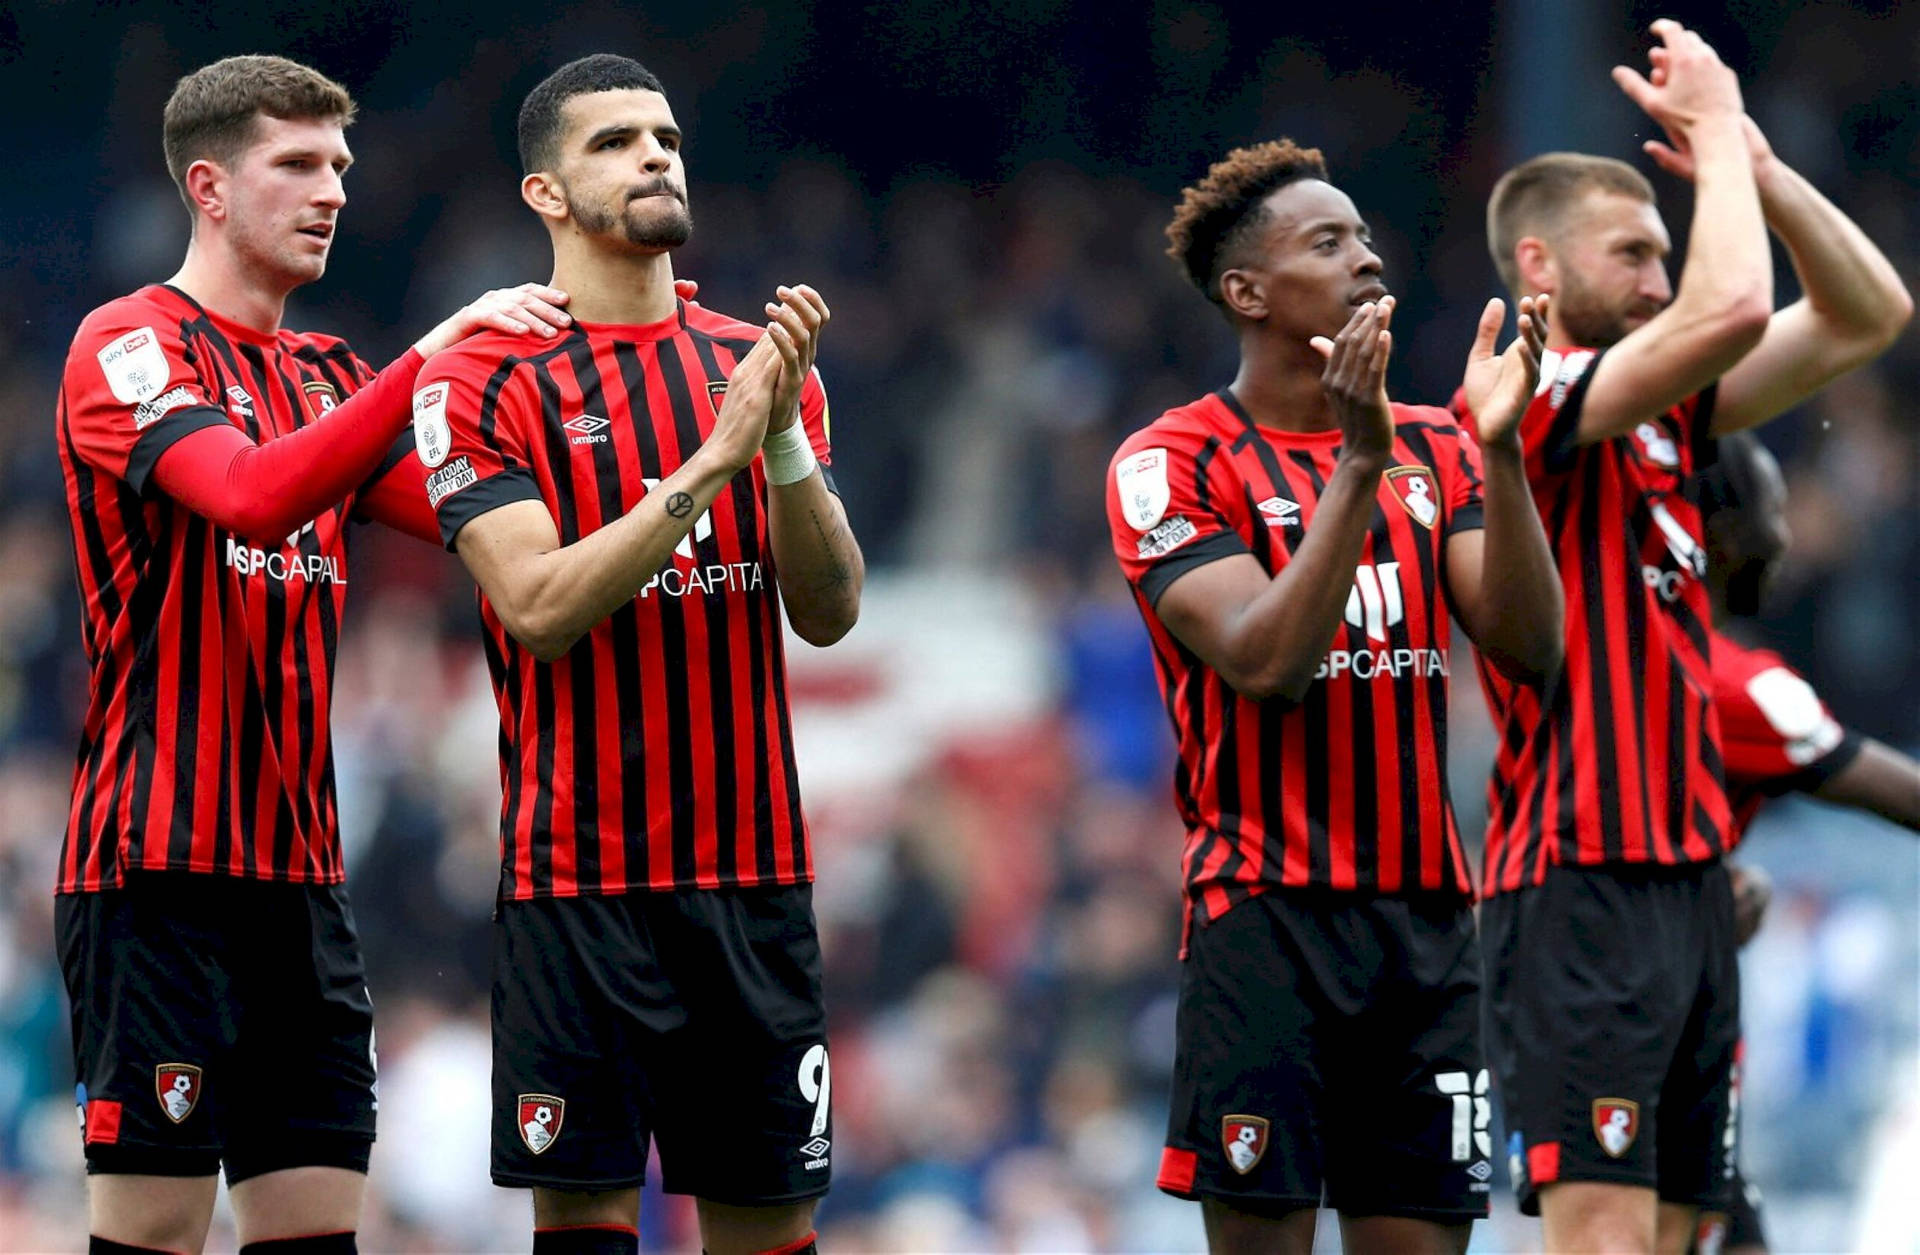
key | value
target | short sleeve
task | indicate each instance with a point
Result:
(470, 419)
(1776, 734)
(1550, 429)
(818, 420)
(1163, 511)
(1462, 477)
(131, 391)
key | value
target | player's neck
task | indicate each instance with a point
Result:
(1279, 386)
(628, 289)
(220, 282)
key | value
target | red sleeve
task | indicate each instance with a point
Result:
(1165, 517)
(396, 494)
(819, 424)
(1550, 429)
(264, 491)
(470, 429)
(129, 393)
(1456, 459)
(1776, 735)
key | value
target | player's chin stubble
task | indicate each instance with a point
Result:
(670, 230)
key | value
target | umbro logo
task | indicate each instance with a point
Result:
(588, 429)
(1280, 512)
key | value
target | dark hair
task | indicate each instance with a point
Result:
(212, 112)
(1216, 214)
(1532, 198)
(540, 122)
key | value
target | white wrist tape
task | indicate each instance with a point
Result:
(789, 455)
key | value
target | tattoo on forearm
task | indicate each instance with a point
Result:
(680, 505)
(836, 574)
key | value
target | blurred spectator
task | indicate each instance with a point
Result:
(981, 202)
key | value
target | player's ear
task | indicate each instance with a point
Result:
(1535, 261)
(544, 195)
(206, 184)
(1244, 295)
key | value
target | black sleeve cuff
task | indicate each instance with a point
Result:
(516, 483)
(163, 435)
(1810, 777)
(826, 477)
(1161, 575)
(1468, 518)
(403, 448)
(1562, 445)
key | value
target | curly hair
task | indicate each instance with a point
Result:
(1217, 213)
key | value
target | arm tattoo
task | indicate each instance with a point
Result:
(679, 505)
(836, 574)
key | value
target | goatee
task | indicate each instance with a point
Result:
(653, 231)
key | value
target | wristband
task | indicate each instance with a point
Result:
(788, 455)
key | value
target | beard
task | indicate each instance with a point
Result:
(644, 221)
(1588, 319)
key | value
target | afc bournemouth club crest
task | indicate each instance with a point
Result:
(540, 1116)
(716, 392)
(1245, 1140)
(178, 1087)
(1616, 1122)
(1414, 488)
(320, 396)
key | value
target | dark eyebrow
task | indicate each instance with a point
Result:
(1335, 225)
(312, 154)
(627, 128)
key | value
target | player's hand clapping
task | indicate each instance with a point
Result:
(798, 318)
(531, 307)
(1498, 388)
(741, 425)
(1690, 86)
(1355, 380)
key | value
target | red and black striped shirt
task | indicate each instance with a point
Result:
(1776, 733)
(1617, 759)
(657, 753)
(205, 746)
(1346, 789)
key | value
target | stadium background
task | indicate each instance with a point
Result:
(978, 189)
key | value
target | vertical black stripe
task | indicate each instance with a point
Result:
(762, 621)
(725, 786)
(543, 837)
(1679, 797)
(187, 541)
(671, 655)
(1314, 710)
(796, 825)
(582, 664)
(1429, 546)
(1597, 523)
(1227, 789)
(624, 629)
(504, 666)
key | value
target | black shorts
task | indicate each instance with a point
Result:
(1329, 1042)
(1613, 1025)
(1737, 1228)
(692, 1017)
(218, 1021)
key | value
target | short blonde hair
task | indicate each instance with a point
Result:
(1533, 198)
